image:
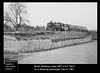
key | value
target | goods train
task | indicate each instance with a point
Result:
(58, 26)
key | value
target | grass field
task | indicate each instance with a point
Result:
(42, 40)
(80, 54)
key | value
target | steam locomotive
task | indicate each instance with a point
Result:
(58, 26)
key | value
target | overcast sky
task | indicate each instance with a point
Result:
(82, 14)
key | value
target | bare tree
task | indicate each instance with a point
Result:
(8, 18)
(17, 14)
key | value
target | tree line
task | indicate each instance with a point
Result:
(17, 16)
